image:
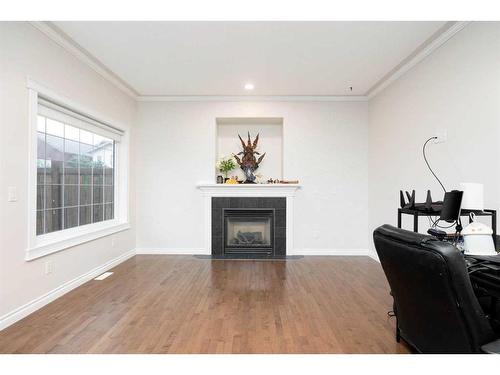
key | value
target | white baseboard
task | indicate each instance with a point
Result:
(330, 252)
(171, 251)
(374, 256)
(191, 251)
(23, 311)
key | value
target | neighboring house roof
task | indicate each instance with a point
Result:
(53, 153)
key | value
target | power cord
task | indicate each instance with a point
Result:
(435, 223)
(428, 165)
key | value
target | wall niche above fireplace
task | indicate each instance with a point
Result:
(270, 130)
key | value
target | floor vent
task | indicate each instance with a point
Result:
(103, 276)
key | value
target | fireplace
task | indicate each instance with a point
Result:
(248, 227)
(248, 231)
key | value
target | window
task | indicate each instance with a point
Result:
(78, 175)
(75, 176)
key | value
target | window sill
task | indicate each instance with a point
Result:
(54, 242)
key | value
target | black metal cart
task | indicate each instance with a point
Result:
(416, 214)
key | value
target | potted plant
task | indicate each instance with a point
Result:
(226, 165)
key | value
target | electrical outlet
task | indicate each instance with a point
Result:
(442, 136)
(49, 267)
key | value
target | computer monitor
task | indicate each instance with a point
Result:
(451, 206)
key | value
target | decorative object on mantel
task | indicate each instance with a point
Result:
(225, 165)
(271, 181)
(258, 178)
(248, 162)
(220, 179)
(233, 180)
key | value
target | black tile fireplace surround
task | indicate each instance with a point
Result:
(231, 214)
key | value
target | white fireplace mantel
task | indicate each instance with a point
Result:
(248, 190)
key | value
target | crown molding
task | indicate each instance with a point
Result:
(424, 50)
(252, 98)
(63, 40)
(428, 47)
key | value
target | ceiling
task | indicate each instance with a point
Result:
(279, 58)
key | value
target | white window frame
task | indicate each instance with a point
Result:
(45, 244)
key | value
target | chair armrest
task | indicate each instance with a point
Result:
(491, 347)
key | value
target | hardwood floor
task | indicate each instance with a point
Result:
(181, 304)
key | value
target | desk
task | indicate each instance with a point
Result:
(416, 214)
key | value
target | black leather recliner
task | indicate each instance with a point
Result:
(435, 305)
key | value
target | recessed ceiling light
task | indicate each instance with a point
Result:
(249, 86)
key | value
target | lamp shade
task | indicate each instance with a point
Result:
(473, 198)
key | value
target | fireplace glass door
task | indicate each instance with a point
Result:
(248, 231)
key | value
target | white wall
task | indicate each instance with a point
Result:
(325, 147)
(25, 51)
(456, 89)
